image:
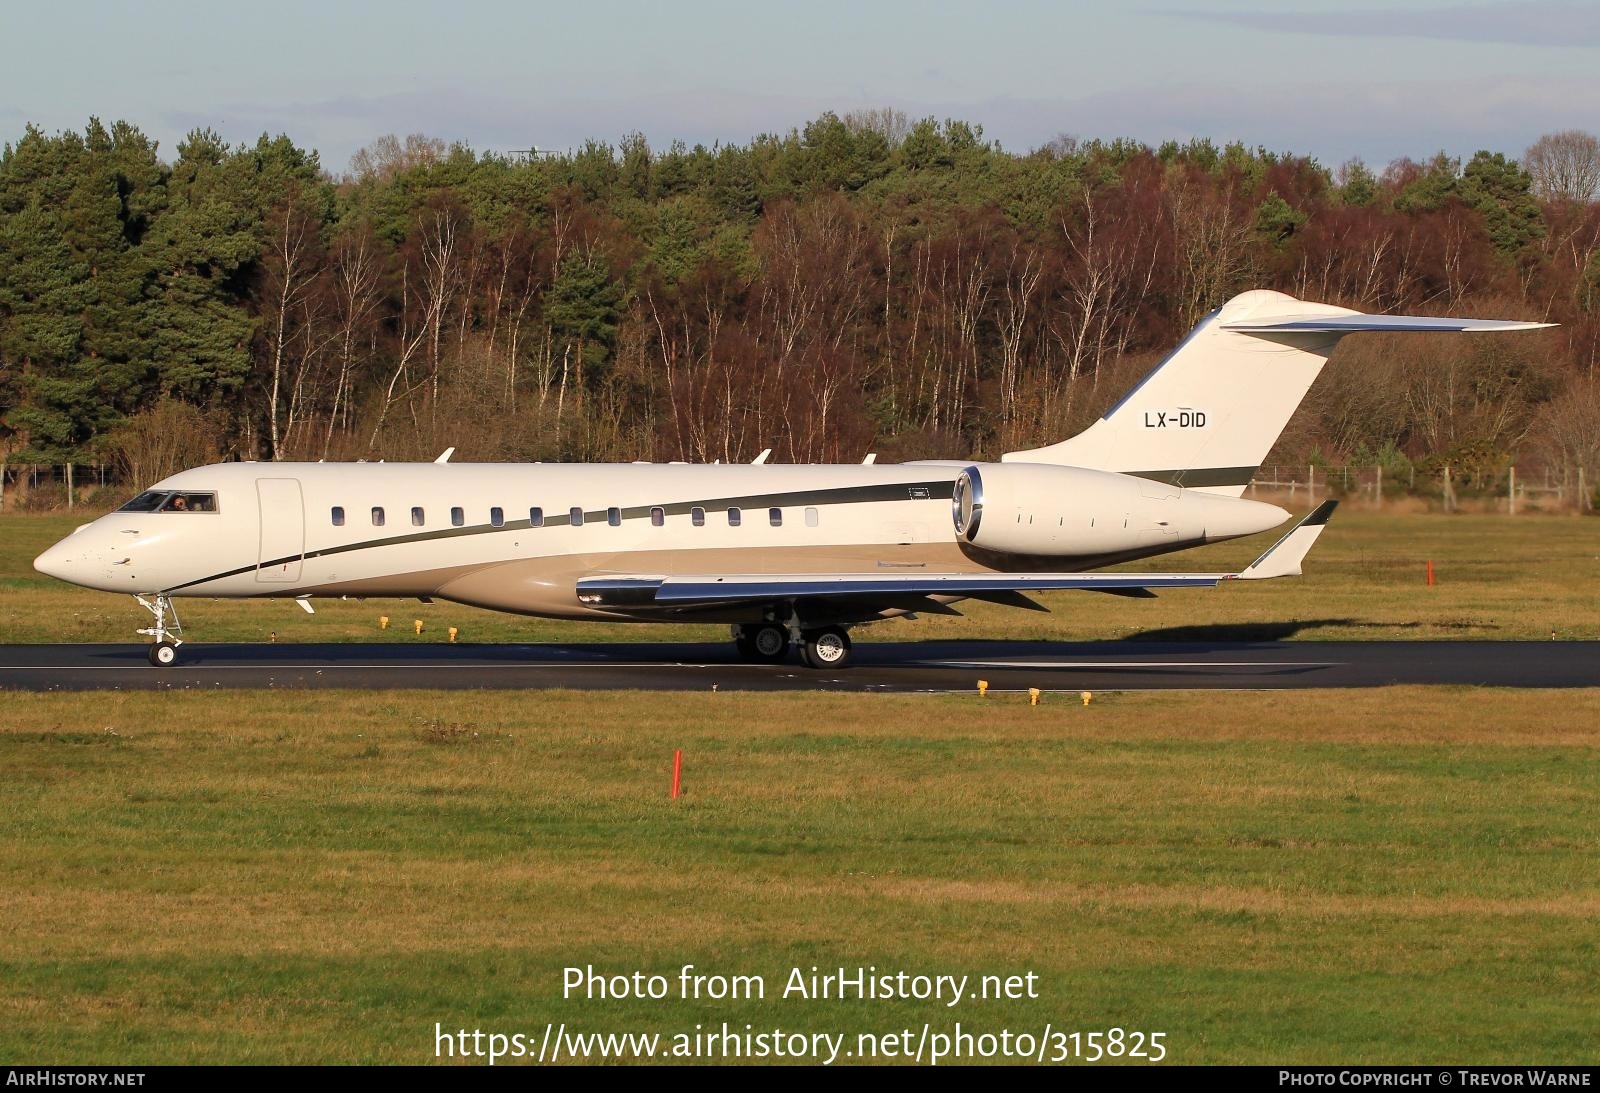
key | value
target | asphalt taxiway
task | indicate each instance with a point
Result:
(879, 666)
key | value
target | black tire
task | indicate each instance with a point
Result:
(826, 648)
(163, 654)
(765, 642)
(771, 643)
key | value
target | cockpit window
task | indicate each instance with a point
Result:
(190, 502)
(170, 501)
(148, 501)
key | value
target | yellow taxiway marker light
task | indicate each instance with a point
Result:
(453, 633)
(416, 624)
(983, 688)
(1033, 696)
(383, 622)
(1087, 696)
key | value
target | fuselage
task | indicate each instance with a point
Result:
(518, 537)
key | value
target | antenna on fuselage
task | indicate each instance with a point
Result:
(444, 456)
(872, 457)
(762, 458)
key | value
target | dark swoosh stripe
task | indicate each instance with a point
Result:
(1202, 476)
(839, 495)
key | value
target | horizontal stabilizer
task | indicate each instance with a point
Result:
(1350, 324)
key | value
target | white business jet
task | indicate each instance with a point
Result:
(789, 555)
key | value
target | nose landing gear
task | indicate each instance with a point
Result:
(164, 650)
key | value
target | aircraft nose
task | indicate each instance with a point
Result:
(55, 562)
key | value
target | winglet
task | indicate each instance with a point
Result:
(1283, 558)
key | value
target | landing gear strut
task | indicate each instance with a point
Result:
(164, 650)
(766, 641)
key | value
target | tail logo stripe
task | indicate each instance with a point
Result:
(1200, 476)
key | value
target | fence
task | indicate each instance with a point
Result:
(1314, 483)
(70, 480)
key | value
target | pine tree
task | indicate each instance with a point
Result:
(72, 212)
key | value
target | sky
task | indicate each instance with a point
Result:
(1376, 80)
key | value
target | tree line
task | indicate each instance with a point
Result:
(864, 283)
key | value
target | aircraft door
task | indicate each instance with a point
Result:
(283, 529)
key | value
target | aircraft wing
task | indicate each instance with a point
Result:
(1282, 559)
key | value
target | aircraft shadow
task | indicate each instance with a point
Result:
(1279, 631)
(1249, 631)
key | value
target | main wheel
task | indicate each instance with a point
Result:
(827, 648)
(763, 642)
(163, 654)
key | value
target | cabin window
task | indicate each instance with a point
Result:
(775, 517)
(697, 517)
(734, 516)
(575, 515)
(338, 516)
(536, 518)
(614, 517)
(377, 516)
(190, 502)
(812, 518)
(418, 519)
(497, 517)
(658, 516)
(458, 516)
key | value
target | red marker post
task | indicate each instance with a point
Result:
(677, 772)
(1430, 572)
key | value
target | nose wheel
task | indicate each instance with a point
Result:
(164, 650)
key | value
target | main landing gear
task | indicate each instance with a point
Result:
(826, 648)
(164, 650)
(768, 642)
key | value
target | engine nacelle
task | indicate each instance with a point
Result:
(1049, 511)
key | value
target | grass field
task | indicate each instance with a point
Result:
(1498, 577)
(1399, 875)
